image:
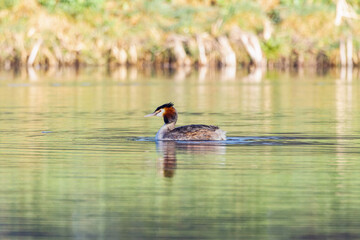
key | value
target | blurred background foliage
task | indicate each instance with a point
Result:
(87, 30)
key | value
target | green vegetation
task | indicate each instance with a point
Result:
(100, 32)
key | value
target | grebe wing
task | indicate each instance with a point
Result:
(194, 128)
(193, 132)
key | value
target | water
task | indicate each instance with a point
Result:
(79, 161)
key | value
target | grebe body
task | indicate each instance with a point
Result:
(197, 132)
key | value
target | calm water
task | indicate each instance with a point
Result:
(78, 160)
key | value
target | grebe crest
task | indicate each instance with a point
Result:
(197, 132)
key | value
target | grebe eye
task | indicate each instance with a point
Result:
(160, 112)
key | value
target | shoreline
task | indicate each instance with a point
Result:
(130, 73)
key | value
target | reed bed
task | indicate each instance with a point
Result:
(173, 33)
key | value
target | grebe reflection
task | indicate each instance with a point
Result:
(169, 149)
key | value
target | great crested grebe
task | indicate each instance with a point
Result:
(197, 132)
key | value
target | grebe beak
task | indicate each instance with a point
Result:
(158, 113)
(151, 114)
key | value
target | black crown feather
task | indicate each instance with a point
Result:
(166, 105)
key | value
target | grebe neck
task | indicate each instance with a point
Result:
(167, 127)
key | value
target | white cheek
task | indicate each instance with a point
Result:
(160, 114)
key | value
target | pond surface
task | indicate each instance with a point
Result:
(78, 160)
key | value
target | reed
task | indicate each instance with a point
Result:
(172, 33)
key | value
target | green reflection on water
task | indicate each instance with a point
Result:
(78, 159)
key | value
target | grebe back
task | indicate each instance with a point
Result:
(197, 132)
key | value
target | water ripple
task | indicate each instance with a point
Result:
(256, 140)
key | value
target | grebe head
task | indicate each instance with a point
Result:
(167, 111)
